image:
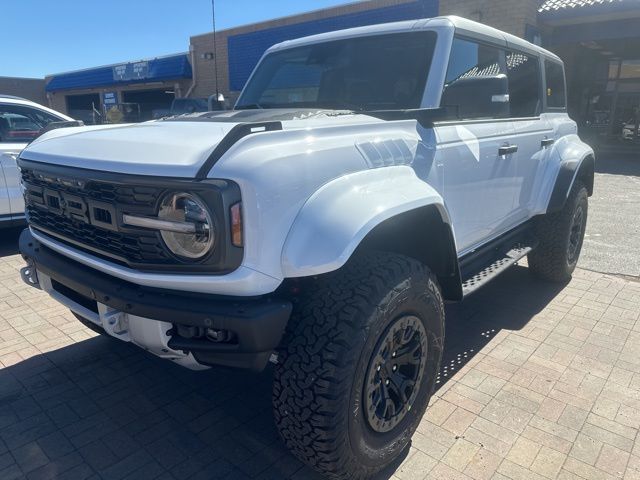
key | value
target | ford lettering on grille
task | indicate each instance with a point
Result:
(73, 207)
(83, 214)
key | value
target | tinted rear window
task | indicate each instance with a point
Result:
(470, 60)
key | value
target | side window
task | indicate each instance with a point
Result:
(21, 124)
(471, 59)
(474, 75)
(556, 96)
(523, 72)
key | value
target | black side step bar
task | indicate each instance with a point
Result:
(499, 264)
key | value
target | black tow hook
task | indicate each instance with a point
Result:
(29, 275)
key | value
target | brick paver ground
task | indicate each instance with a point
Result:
(539, 381)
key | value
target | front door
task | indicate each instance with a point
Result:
(478, 179)
(476, 150)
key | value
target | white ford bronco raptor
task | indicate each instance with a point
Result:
(364, 177)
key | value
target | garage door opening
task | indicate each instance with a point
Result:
(84, 107)
(149, 101)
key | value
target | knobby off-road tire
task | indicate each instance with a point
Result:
(561, 235)
(345, 327)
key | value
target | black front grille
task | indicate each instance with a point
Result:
(138, 195)
(137, 248)
(84, 209)
(84, 214)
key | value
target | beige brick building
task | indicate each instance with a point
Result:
(137, 88)
(60, 100)
(29, 88)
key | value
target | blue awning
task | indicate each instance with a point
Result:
(172, 67)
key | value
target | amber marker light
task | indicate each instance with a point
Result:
(236, 224)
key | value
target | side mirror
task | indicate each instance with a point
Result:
(478, 97)
(216, 103)
(216, 106)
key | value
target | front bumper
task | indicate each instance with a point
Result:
(152, 318)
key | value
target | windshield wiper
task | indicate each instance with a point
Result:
(250, 106)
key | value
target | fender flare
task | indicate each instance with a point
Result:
(576, 159)
(336, 219)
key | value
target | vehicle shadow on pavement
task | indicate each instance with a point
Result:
(102, 406)
(507, 303)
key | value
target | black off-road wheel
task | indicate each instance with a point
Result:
(358, 364)
(561, 235)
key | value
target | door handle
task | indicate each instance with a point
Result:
(546, 142)
(507, 149)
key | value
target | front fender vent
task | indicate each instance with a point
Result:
(386, 153)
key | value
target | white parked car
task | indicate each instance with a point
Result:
(21, 121)
(364, 177)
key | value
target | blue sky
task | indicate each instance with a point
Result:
(40, 37)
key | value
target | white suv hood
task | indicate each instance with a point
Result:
(174, 148)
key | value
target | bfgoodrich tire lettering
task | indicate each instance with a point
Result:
(561, 235)
(334, 332)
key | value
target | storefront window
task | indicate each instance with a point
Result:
(630, 69)
(626, 117)
(613, 69)
(599, 110)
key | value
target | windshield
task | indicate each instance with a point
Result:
(383, 72)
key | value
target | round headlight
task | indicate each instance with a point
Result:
(198, 238)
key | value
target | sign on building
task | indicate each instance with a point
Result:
(109, 98)
(140, 70)
(130, 71)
